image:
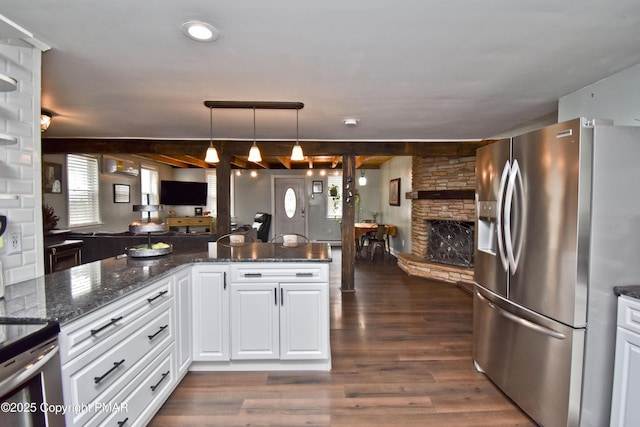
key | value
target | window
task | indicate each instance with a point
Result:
(212, 192)
(83, 190)
(334, 204)
(149, 190)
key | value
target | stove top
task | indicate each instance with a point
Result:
(20, 335)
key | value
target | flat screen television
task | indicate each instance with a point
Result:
(183, 193)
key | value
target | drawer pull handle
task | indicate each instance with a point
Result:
(154, 387)
(157, 296)
(115, 366)
(252, 274)
(304, 274)
(123, 422)
(113, 322)
(162, 328)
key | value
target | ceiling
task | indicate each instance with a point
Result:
(407, 70)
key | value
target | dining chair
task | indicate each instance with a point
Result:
(379, 240)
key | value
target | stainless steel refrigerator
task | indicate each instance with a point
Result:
(558, 227)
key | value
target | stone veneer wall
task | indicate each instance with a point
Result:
(438, 173)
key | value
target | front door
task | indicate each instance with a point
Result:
(289, 206)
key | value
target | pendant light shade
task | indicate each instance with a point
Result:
(296, 152)
(362, 181)
(212, 153)
(254, 153)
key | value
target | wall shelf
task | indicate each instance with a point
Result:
(468, 194)
(7, 84)
(7, 140)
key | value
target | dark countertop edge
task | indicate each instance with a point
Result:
(180, 260)
(631, 291)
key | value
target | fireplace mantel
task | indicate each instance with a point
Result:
(466, 194)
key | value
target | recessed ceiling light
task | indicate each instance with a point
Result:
(350, 122)
(200, 31)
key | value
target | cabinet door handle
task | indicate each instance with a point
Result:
(252, 274)
(113, 322)
(275, 296)
(157, 296)
(225, 280)
(162, 328)
(123, 422)
(281, 296)
(115, 366)
(154, 387)
(304, 274)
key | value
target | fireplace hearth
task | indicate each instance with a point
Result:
(450, 242)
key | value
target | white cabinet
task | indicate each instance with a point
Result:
(210, 312)
(105, 353)
(626, 382)
(184, 341)
(279, 312)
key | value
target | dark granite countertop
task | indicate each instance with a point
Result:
(631, 291)
(66, 295)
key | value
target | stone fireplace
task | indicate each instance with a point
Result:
(443, 189)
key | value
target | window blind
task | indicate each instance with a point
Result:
(149, 189)
(83, 190)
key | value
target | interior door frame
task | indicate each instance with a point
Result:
(302, 176)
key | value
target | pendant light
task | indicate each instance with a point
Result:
(212, 153)
(362, 181)
(296, 152)
(254, 153)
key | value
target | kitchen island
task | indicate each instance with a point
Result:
(131, 328)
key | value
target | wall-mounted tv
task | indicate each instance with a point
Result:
(183, 193)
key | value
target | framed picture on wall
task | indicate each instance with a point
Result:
(52, 177)
(120, 193)
(394, 192)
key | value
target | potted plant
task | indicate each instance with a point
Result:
(49, 218)
(333, 191)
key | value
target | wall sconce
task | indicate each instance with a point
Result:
(45, 120)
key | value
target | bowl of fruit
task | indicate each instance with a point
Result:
(144, 251)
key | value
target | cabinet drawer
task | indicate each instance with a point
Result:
(629, 314)
(278, 272)
(94, 373)
(105, 324)
(142, 396)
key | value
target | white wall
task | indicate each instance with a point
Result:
(20, 166)
(616, 97)
(115, 217)
(400, 216)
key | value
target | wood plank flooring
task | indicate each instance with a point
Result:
(401, 351)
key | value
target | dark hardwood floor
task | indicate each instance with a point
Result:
(401, 352)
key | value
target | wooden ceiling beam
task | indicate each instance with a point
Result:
(192, 161)
(360, 160)
(164, 159)
(286, 161)
(336, 161)
(197, 148)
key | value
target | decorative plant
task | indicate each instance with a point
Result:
(375, 216)
(49, 218)
(335, 195)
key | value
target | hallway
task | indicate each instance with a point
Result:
(401, 353)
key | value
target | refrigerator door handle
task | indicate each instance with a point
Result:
(499, 228)
(519, 320)
(514, 174)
